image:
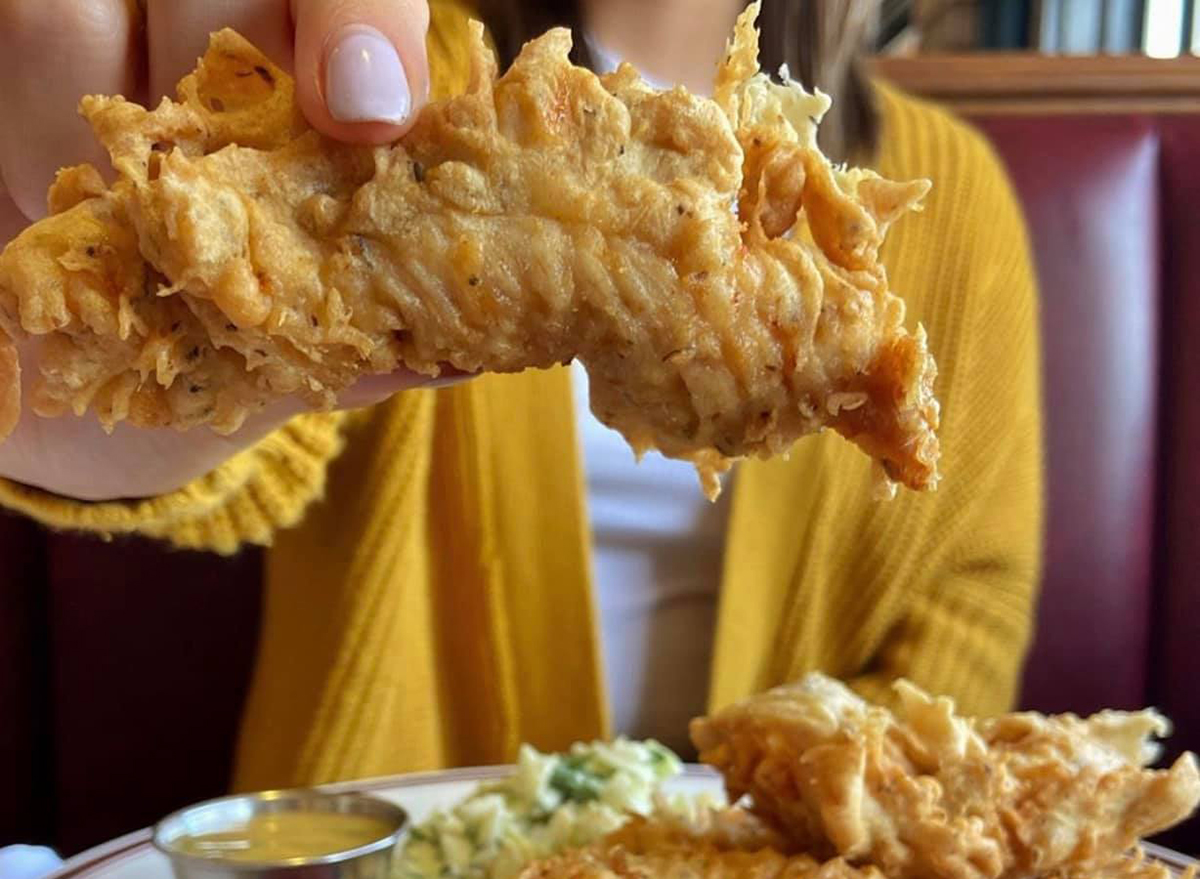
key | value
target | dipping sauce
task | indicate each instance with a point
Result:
(284, 835)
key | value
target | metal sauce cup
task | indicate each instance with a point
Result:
(372, 860)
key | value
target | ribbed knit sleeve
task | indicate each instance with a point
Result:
(964, 626)
(269, 486)
(244, 500)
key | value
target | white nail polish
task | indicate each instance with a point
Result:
(364, 79)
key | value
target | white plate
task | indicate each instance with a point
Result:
(132, 856)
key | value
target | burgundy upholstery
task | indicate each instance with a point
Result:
(123, 666)
(1176, 636)
(1111, 204)
(1090, 192)
(24, 804)
(123, 669)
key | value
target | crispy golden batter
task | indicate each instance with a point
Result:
(715, 274)
(732, 844)
(10, 387)
(926, 793)
(728, 844)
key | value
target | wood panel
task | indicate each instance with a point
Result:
(999, 82)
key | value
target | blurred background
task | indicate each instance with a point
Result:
(1157, 28)
(1094, 107)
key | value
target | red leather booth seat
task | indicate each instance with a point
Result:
(1110, 202)
(1116, 238)
(123, 666)
(1176, 634)
(1091, 193)
(1090, 190)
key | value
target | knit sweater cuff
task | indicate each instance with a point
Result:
(259, 490)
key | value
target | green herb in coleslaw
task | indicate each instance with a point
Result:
(550, 803)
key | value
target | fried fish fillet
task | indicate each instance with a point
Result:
(732, 844)
(717, 276)
(926, 793)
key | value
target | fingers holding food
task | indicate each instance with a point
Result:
(361, 67)
(542, 216)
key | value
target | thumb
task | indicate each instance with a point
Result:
(361, 68)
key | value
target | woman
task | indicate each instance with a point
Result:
(428, 598)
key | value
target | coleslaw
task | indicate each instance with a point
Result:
(550, 803)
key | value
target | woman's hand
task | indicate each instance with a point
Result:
(361, 74)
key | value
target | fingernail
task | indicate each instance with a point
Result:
(364, 79)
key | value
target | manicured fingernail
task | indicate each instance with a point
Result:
(364, 79)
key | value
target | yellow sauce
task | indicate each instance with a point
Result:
(287, 835)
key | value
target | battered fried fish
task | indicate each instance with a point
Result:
(926, 793)
(717, 276)
(731, 844)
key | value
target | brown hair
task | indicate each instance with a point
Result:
(820, 41)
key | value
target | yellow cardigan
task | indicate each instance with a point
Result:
(428, 599)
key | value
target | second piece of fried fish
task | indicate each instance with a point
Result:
(926, 794)
(731, 843)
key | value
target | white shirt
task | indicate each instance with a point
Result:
(657, 547)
